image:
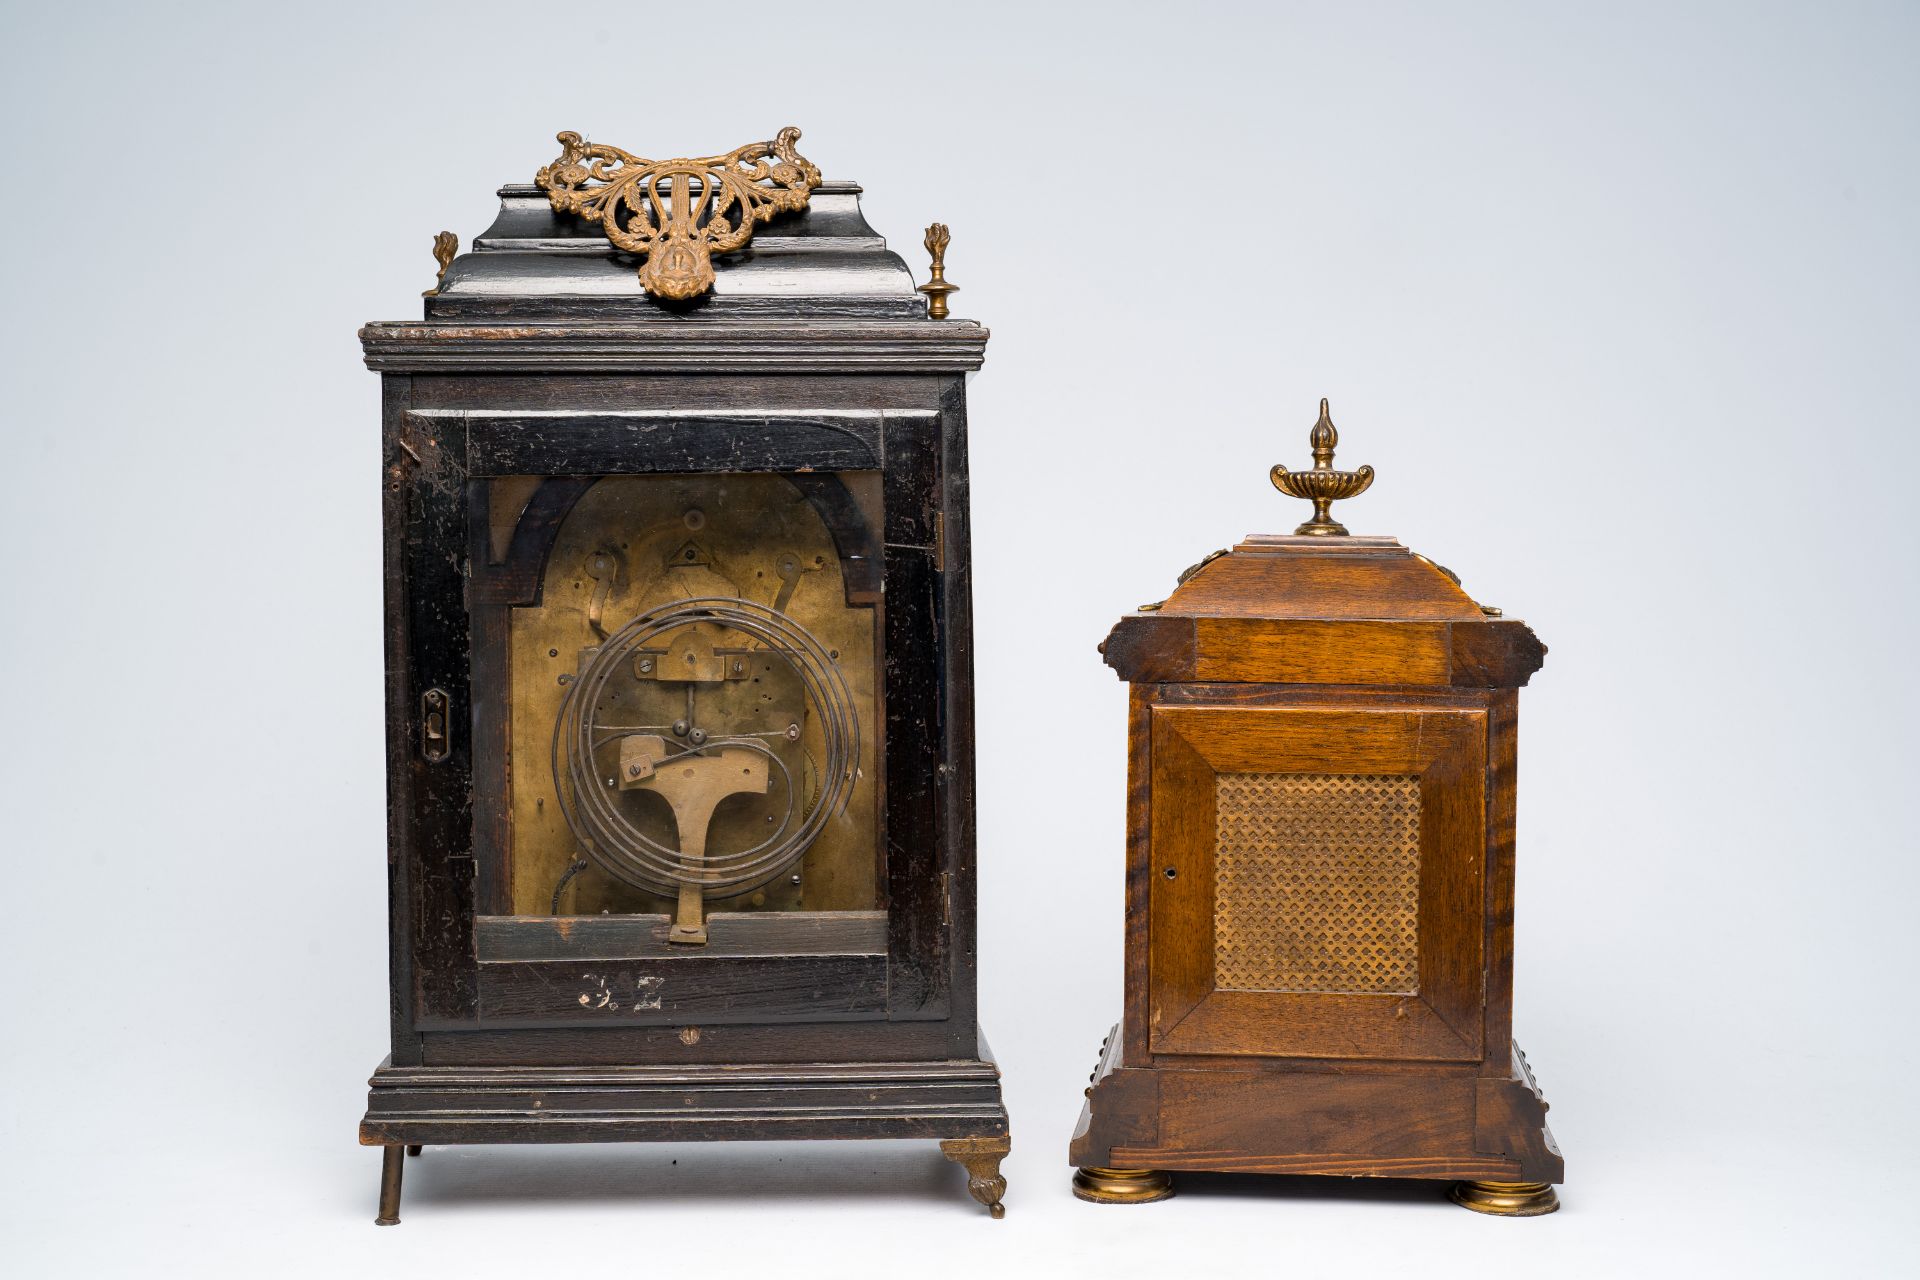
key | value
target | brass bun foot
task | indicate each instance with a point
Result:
(1122, 1186)
(1506, 1199)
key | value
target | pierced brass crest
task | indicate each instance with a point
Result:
(679, 213)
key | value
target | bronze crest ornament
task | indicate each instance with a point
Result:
(678, 213)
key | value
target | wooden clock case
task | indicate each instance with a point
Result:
(540, 371)
(1320, 879)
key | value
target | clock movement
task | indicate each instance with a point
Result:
(1320, 875)
(679, 715)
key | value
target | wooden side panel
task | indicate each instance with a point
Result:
(1180, 954)
(613, 1043)
(436, 797)
(912, 711)
(1414, 653)
(1445, 749)
(953, 562)
(1137, 1017)
(1353, 1122)
(1409, 1116)
(1503, 729)
(1287, 1023)
(671, 441)
(1452, 878)
(402, 881)
(1162, 648)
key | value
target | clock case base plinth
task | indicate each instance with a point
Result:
(1343, 1121)
(956, 1101)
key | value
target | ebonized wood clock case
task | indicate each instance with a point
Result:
(558, 444)
(1320, 879)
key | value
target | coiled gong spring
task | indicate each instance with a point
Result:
(582, 745)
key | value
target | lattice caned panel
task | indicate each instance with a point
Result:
(1317, 882)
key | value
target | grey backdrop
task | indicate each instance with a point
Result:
(1619, 300)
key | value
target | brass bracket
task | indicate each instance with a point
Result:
(608, 569)
(678, 213)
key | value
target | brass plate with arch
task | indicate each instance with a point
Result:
(634, 543)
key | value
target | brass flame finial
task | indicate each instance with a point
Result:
(445, 245)
(1322, 486)
(937, 287)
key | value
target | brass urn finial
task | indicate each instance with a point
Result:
(1323, 485)
(445, 245)
(937, 287)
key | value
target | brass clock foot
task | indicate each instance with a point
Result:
(982, 1157)
(1122, 1186)
(392, 1163)
(1506, 1199)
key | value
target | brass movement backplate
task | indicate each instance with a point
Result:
(753, 536)
(678, 213)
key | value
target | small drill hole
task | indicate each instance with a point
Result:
(1171, 873)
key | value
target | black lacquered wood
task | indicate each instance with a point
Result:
(533, 362)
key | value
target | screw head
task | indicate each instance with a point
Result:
(679, 728)
(696, 736)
